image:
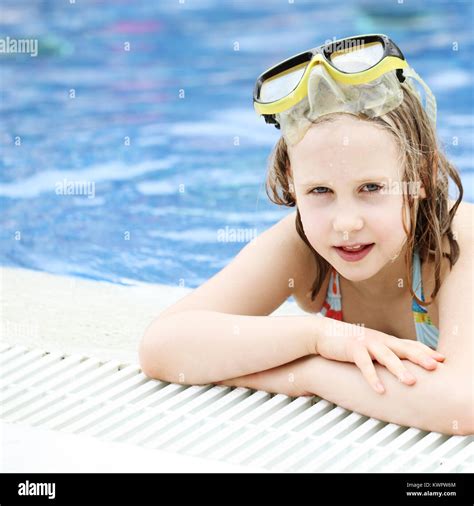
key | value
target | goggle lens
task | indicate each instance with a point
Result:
(282, 84)
(358, 58)
(354, 58)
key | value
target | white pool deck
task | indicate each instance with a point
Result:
(73, 399)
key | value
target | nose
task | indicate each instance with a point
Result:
(347, 221)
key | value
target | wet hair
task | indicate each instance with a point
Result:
(424, 163)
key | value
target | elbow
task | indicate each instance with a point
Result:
(452, 421)
(451, 410)
(461, 395)
(151, 363)
(463, 416)
(459, 410)
(145, 360)
(160, 360)
(150, 356)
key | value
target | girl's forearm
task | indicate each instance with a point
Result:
(430, 404)
(200, 347)
(288, 379)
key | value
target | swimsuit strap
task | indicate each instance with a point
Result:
(334, 284)
(417, 284)
(426, 332)
(332, 305)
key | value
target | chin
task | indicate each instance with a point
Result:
(357, 271)
(355, 277)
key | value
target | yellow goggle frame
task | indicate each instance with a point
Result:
(392, 59)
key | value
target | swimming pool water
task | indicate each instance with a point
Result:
(150, 104)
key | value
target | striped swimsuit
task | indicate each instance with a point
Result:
(426, 332)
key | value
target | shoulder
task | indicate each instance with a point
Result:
(463, 221)
(461, 227)
(456, 295)
(304, 267)
(298, 253)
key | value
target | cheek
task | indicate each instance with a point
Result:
(387, 223)
(316, 225)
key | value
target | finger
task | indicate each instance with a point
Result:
(436, 355)
(387, 357)
(391, 342)
(417, 353)
(363, 361)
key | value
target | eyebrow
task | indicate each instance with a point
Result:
(357, 181)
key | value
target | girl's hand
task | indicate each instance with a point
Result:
(346, 342)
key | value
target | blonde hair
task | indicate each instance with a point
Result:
(424, 164)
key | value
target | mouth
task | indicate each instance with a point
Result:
(353, 246)
(354, 252)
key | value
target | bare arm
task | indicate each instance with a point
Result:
(434, 403)
(441, 400)
(222, 329)
(200, 347)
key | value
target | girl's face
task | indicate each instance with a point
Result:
(347, 180)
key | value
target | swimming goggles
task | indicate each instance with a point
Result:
(349, 61)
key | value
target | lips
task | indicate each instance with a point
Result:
(354, 246)
(354, 253)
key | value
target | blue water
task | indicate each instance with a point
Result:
(194, 164)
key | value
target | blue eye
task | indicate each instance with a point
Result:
(375, 189)
(318, 188)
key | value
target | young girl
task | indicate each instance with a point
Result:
(376, 253)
